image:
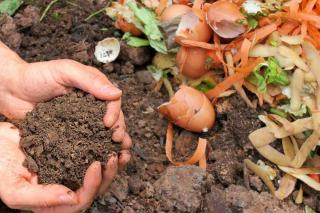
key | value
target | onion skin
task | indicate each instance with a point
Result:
(189, 109)
(127, 27)
(222, 17)
(174, 11)
(192, 61)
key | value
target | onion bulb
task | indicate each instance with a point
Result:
(189, 109)
(192, 61)
(127, 27)
(174, 11)
(222, 16)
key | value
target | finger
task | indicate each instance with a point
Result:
(126, 142)
(9, 132)
(113, 113)
(119, 129)
(30, 196)
(124, 158)
(109, 173)
(88, 79)
(91, 184)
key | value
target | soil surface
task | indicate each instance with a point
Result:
(150, 183)
(62, 137)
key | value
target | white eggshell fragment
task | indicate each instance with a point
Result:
(107, 50)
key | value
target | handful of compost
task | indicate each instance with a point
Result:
(62, 137)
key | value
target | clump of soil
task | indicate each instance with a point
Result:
(62, 137)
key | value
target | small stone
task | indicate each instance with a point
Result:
(215, 202)
(180, 188)
(256, 182)
(28, 17)
(184, 142)
(249, 201)
(127, 68)
(108, 68)
(136, 185)
(119, 188)
(144, 77)
(111, 200)
(149, 191)
(136, 55)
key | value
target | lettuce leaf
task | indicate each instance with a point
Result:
(268, 72)
(149, 26)
(10, 6)
(300, 113)
(135, 41)
(205, 86)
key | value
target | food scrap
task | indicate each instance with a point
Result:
(268, 49)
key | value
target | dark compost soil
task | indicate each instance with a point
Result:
(62, 137)
(149, 183)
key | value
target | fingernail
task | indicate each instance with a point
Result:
(68, 199)
(111, 90)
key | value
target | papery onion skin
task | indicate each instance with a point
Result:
(189, 109)
(222, 16)
(127, 27)
(192, 61)
(174, 11)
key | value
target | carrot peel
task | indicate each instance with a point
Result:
(198, 155)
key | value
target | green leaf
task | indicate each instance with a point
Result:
(157, 73)
(268, 72)
(150, 26)
(274, 73)
(252, 22)
(204, 86)
(274, 42)
(300, 113)
(10, 6)
(279, 112)
(307, 209)
(313, 153)
(135, 41)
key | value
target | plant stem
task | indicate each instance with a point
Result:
(47, 9)
(95, 13)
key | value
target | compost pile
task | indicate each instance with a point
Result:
(62, 137)
(265, 48)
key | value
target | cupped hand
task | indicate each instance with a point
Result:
(26, 84)
(19, 189)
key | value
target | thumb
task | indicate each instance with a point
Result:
(34, 196)
(86, 78)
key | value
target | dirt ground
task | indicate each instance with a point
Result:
(149, 183)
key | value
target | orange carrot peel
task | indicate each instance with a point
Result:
(199, 156)
(241, 74)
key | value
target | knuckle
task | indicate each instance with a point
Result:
(67, 61)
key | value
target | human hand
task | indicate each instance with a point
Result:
(26, 84)
(19, 189)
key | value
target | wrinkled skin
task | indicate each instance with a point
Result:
(22, 86)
